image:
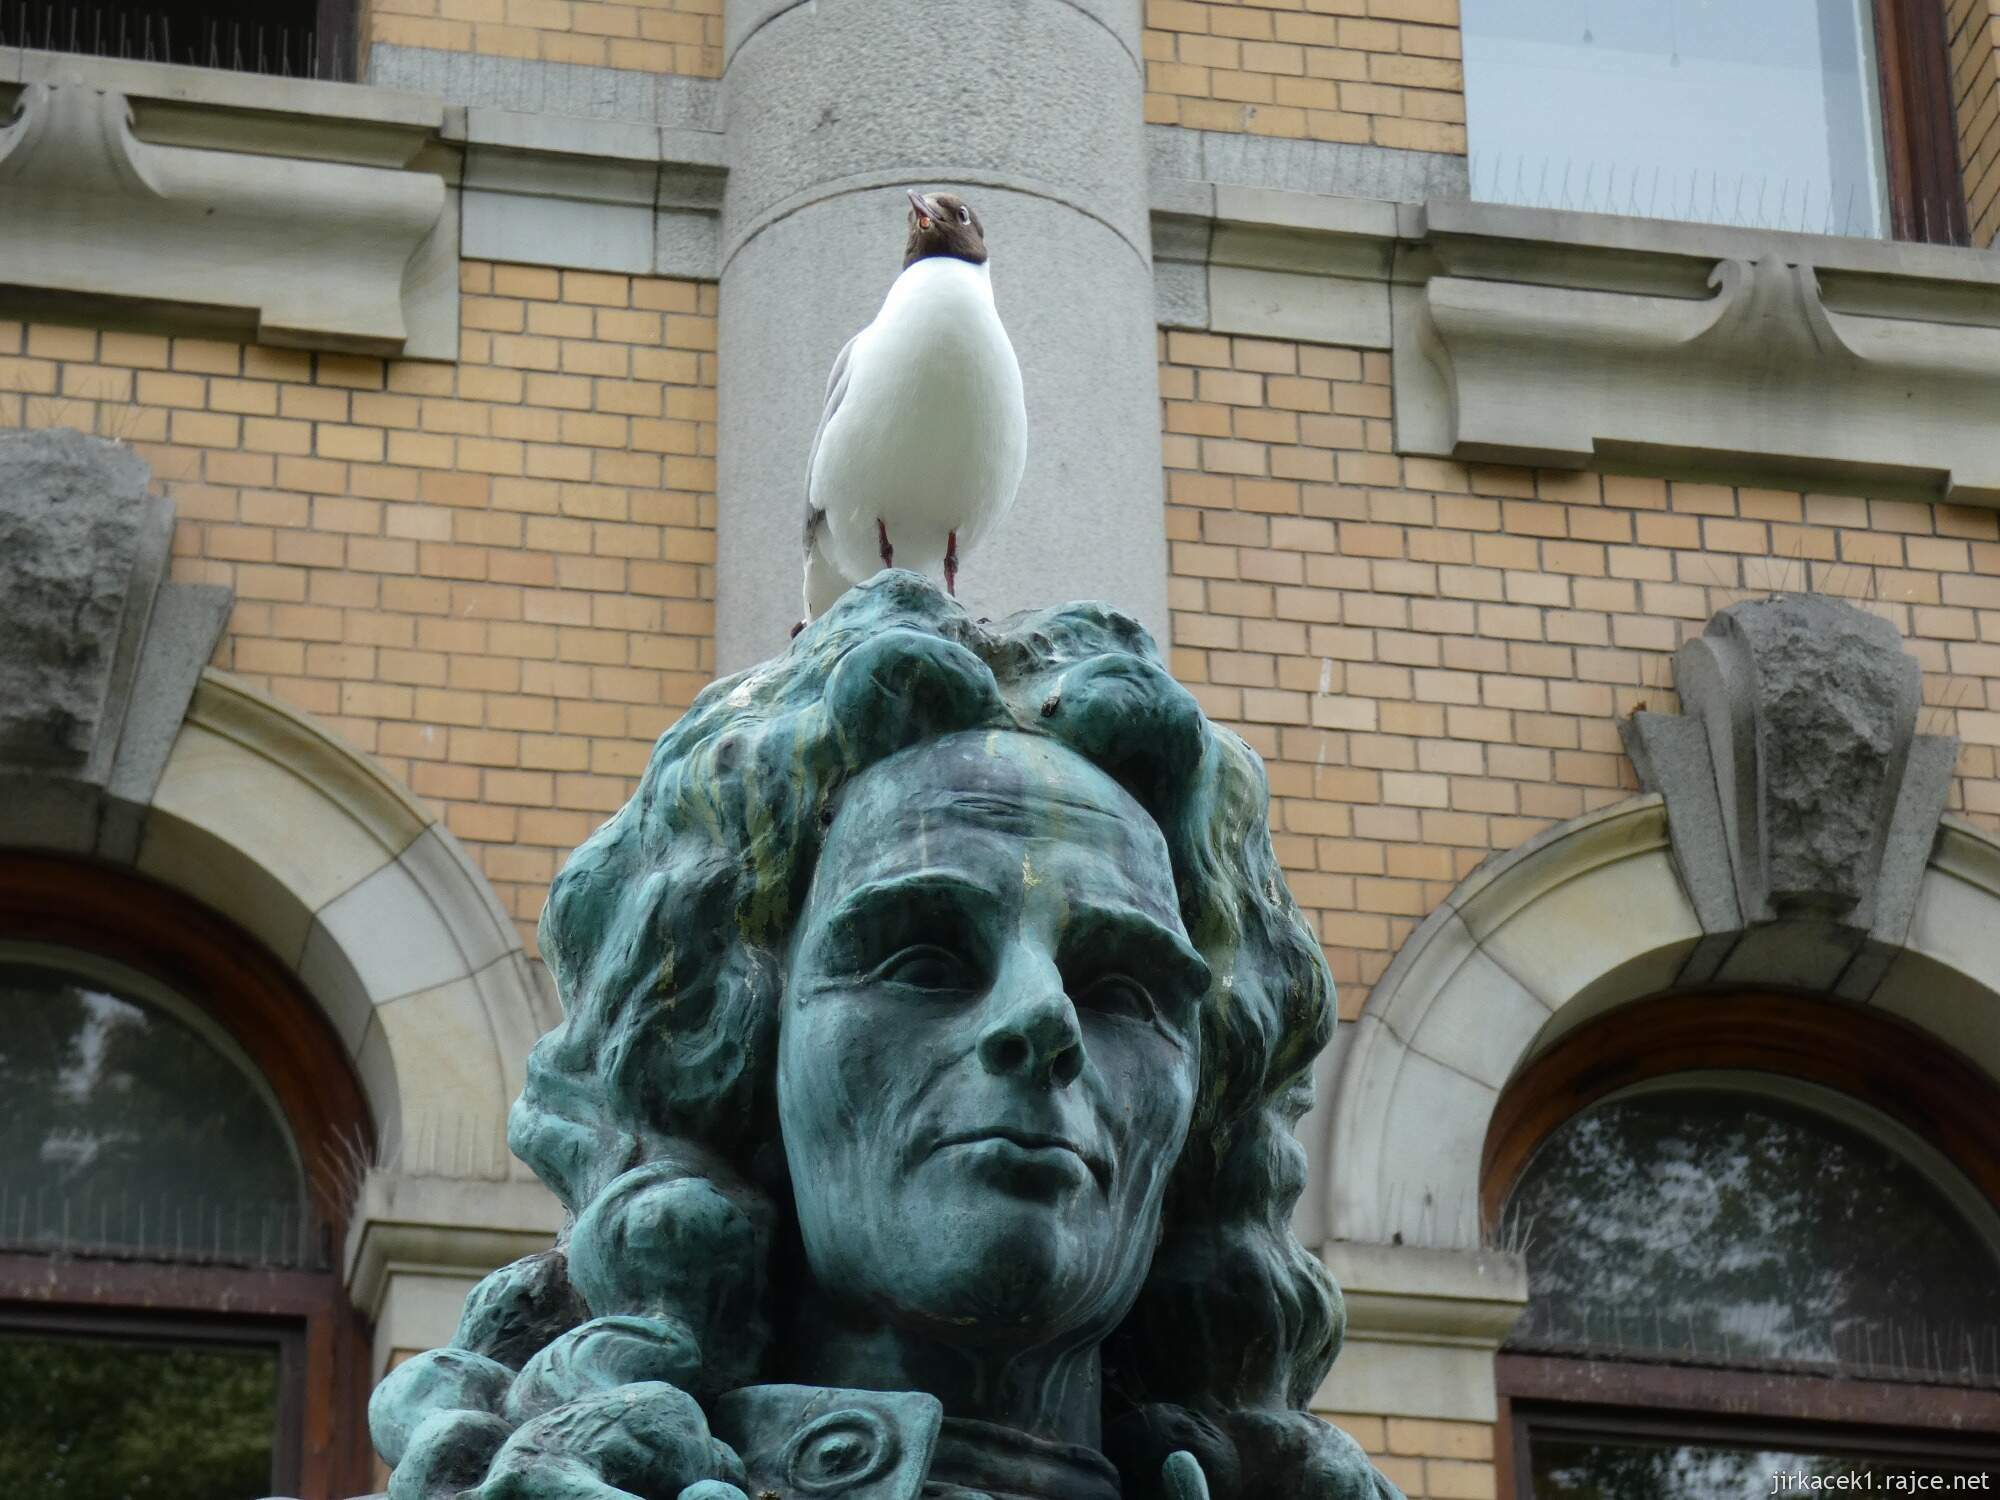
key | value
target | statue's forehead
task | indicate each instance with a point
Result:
(970, 795)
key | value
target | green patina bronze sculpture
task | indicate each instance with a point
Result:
(936, 1023)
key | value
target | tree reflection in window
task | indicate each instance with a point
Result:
(111, 1419)
(131, 1129)
(1720, 1227)
(1609, 1469)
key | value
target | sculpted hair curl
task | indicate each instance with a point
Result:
(651, 1110)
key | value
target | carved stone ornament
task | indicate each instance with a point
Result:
(227, 203)
(1576, 340)
(936, 1020)
(1799, 793)
(99, 654)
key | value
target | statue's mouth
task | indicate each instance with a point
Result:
(1034, 1143)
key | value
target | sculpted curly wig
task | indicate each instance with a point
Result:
(651, 1110)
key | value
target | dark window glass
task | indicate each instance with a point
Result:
(1616, 1469)
(128, 1130)
(294, 38)
(1718, 1227)
(112, 1419)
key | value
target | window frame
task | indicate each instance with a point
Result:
(335, 54)
(1861, 1054)
(1919, 124)
(211, 963)
(177, 1310)
(1551, 1396)
(1918, 121)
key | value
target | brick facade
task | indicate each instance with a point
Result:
(655, 36)
(497, 576)
(1380, 72)
(1974, 28)
(1433, 657)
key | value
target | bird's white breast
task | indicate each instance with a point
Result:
(931, 435)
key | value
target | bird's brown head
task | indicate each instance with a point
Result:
(943, 224)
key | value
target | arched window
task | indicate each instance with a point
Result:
(1753, 1252)
(172, 1154)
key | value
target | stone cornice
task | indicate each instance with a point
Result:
(1422, 1329)
(1596, 341)
(604, 195)
(292, 211)
(439, 1226)
(319, 215)
(1470, 1297)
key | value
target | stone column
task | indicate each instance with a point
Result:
(1031, 109)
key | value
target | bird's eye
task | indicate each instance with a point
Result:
(964, 214)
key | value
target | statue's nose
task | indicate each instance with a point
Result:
(1033, 1033)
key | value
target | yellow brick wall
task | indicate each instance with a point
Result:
(1428, 1460)
(496, 576)
(1380, 72)
(1433, 657)
(1974, 29)
(657, 36)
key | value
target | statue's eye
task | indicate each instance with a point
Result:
(1119, 995)
(964, 214)
(926, 968)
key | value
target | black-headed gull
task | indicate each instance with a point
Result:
(924, 435)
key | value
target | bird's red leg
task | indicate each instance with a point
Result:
(951, 563)
(888, 552)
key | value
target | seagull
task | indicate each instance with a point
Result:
(924, 434)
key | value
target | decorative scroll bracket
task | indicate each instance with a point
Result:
(223, 204)
(1573, 341)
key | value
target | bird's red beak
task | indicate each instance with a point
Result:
(925, 213)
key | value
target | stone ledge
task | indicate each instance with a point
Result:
(601, 195)
(1700, 349)
(442, 1226)
(1423, 1326)
(289, 211)
(1570, 340)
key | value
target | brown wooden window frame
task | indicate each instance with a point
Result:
(324, 1344)
(1855, 1051)
(1919, 124)
(1543, 1396)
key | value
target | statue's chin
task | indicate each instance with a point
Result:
(1014, 1274)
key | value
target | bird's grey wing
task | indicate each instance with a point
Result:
(836, 391)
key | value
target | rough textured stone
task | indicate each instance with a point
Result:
(935, 1015)
(73, 512)
(1810, 706)
(99, 654)
(1803, 803)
